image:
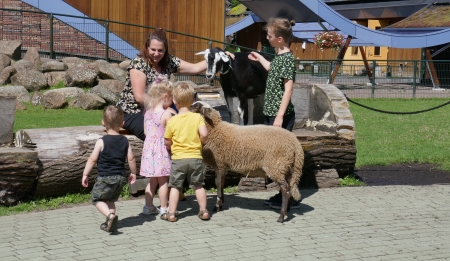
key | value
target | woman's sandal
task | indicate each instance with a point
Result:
(110, 225)
(202, 212)
(167, 217)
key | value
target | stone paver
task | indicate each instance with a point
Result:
(360, 223)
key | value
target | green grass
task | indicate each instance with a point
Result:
(350, 181)
(384, 139)
(36, 117)
(45, 203)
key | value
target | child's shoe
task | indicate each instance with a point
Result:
(150, 210)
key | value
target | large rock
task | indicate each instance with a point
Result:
(73, 62)
(54, 78)
(88, 101)
(105, 93)
(68, 92)
(53, 65)
(5, 61)
(32, 80)
(81, 76)
(54, 100)
(6, 74)
(8, 111)
(24, 65)
(32, 55)
(124, 65)
(106, 71)
(115, 86)
(19, 170)
(37, 98)
(12, 49)
(19, 91)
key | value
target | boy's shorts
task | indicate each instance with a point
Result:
(108, 188)
(190, 168)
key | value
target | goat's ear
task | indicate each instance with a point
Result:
(224, 57)
(201, 53)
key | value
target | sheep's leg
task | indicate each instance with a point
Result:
(220, 181)
(285, 200)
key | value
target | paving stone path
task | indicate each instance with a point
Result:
(360, 223)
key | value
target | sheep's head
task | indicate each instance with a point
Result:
(215, 57)
(211, 116)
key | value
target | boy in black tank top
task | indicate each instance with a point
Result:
(110, 153)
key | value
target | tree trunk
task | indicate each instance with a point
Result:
(63, 153)
(19, 170)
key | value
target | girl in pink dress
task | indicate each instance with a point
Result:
(156, 162)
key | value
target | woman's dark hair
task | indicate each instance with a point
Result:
(159, 35)
(233, 41)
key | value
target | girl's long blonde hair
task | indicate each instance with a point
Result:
(156, 91)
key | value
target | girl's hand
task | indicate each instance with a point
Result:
(254, 56)
(230, 54)
(278, 121)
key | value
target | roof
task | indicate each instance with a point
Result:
(435, 16)
(313, 11)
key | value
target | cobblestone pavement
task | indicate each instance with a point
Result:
(360, 223)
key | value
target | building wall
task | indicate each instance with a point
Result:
(34, 31)
(204, 18)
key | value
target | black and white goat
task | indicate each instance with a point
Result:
(241, 77)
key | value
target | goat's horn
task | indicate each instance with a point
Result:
(199, 53)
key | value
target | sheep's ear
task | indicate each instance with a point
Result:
(224, 57)
(206, 112)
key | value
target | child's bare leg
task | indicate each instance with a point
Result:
(200, 194)
(173, 200)
(150, 191)
(163, 191)
(106, 207)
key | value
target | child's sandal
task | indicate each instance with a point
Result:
(110, 225)
(202, 212)
(167, 217)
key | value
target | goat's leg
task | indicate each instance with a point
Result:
(230, 105)
(285, 191)
(250, 107)
(241, 110)
(220, 181)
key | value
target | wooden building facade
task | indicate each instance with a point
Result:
(204, 18)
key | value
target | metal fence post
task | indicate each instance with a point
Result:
(414, 78)
(372, 80)
(52, 55)
(107, 41)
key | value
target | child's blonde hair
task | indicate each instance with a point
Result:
(281, 27)
(156, 91)
(112, 117)
(183, 94)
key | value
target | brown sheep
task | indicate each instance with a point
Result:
(248, 149)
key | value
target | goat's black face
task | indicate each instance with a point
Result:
(214, 60)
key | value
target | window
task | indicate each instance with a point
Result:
(377, 49)
(354, 50)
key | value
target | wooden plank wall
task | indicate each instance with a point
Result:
(203, 18)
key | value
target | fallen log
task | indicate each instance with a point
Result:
(63, 153)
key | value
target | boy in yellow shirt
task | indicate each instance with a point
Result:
(185, 133)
